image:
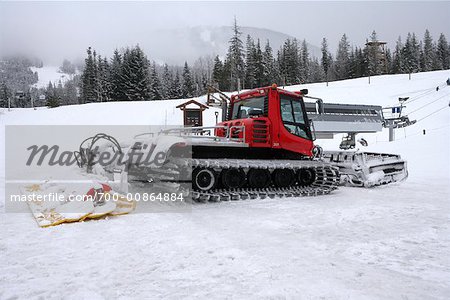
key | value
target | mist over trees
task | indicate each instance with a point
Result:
(130, 75)
(17, 77)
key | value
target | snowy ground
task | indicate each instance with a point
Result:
(387, 242)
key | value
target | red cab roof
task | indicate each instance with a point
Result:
(263, 91)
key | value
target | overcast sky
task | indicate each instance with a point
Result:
(53, 30)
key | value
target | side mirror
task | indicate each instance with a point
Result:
(312, 129)
(304, 91)
(255, 112)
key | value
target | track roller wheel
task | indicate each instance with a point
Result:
(283, 177)
(306, 177)
(204, 179)
(258, 178)
(233, 178)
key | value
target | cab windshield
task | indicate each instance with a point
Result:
(241, 109)
(293, 116)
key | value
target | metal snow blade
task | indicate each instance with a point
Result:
(366, 169)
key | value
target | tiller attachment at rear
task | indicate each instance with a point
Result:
(366, 169)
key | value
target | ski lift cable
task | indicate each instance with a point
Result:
(417, 97)
(413, 99)
(423, 91)
(436, 111)
(428, 104)
(426, 93)
(429, 129)
(437, 128)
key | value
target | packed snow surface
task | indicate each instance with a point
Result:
(389, 242)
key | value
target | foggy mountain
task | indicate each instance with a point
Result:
(174, 46)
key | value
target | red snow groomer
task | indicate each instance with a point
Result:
(263, 147)
(266, 141)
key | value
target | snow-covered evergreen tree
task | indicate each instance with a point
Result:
(398, 60)
(316, 71)
(362, 62)
(428, 52)
(416, 52)
(304, 64)
(135, 75)
(5, 94)
(175, 90)
(88, 79)
(59, 93)
(103, 84)
(235, 58)
(352, 63)
(269, 74)
(342, 59)
(70, 92)
(97, 88)
(166, 82)
(259, 65)
(155, 90)
(202, 84)
(288, 59)
(217, 74)
(250, 70)
(117, 87)
(388, 61)
(51, 96)
(411, 54)
(226, 76)
(372, 56)
(188, 85)
(443, 53)
(326, 57)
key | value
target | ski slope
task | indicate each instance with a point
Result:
(48, 74)
(387, 242)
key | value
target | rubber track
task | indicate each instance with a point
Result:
(327, 179)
